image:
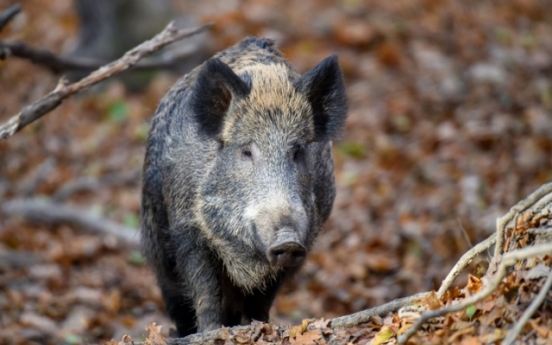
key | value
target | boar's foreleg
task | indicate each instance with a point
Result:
(179, 307)
(257, 306)
(197, 267)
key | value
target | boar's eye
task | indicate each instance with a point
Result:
(247, 154)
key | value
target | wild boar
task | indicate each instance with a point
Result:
(238, 180)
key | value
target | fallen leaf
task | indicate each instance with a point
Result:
(542, 331)
(300, 329)
(155, 337)
(383, 335)
(242, 339)
(306, 338)
(432, 301)
(474, 284)
(494, 336)
(460, 333)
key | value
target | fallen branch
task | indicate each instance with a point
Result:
(508, 260)
(91, 183)
(539, 199)
(30, 184)
(44, 211)
(365, 315)
(49, 102)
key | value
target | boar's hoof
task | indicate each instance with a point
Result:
(287, 254)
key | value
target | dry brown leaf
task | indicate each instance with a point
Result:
(124, 340)
(307, 338)
(474, 284)
(301, 328)
(494, 336)
(154, 337)
(451, 294)
(465, 331)
(224, 334)
(321, 323)
(242, 339)
(470, 340)
(542, 331)
(114, 342)
(432, 301)
(460, 325)
(112, 301)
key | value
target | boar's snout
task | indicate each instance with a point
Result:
(287, 251)
(287, 254)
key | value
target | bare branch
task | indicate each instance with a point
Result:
(53, 213)
(535, 203)
(464, 261)
(58, 64)
(508, 260)
(514, 332)
(365, 315)
(49, 102)
(8, 14)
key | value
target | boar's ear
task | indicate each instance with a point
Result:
(325, 90)
(215, 88)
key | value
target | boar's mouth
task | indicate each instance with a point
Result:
(287, 251)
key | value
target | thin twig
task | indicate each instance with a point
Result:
(45, 211)
(508, 259)
(58, 64)
(516, 330)
(47, 103)
(464, 261)
(8, 14)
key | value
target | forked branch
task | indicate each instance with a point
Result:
(53, 99)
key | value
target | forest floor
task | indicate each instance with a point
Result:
(450, 124)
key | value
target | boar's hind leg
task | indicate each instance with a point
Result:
(180, 310)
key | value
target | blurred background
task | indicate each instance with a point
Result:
(450, 124)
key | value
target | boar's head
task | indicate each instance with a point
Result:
(257, 201)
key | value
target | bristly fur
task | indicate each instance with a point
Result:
(238, 162)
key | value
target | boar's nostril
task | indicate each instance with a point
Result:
(287, 254)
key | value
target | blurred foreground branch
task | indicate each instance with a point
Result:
(92, 183)
(46, 211)
(49, 102)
